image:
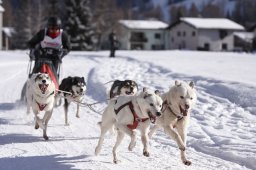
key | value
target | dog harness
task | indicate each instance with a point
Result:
(42, 106)
(136, 118)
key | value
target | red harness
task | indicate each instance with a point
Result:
(41, 106)
(136, 118)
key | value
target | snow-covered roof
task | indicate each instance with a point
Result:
(213, 23)
(143, 24)
(1, 8)
(9, 31)
(247, 36)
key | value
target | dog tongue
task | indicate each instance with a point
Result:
(152, 118)
(129, 93)
(184, 111)
(43, 87)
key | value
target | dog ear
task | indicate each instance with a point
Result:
(72, 80)
(157, 92)
(177, 83)
(35, 76)
(192, 84)
(144, 93)
(145, 89)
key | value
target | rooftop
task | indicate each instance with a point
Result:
(143, 24)
(213, 23)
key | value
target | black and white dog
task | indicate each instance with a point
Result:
(126, 87)
(73, 89)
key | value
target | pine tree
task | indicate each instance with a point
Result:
(79, 25)
(22, 28)
(28, 20)
(193, 11)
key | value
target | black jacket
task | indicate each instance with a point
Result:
(40, 37)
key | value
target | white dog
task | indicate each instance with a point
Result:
(128, 114)
(176, 106)
(40, 95)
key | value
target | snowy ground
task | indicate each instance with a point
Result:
(223, 123)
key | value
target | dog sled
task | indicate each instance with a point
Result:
(45, 64)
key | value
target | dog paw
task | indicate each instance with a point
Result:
(36, 126)
(116, 161)
(187, 162)
(77, 116)
(46, 137)
(66, 124)
(97, 151)
(182, 149)
(40, 123)
(146, 153)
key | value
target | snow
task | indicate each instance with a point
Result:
(221, 134)
(213, 23)
(143, 24)
(247, 36)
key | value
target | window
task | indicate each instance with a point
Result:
(157, 47)
(138, 37)
(184, 33)
(172, 39)
(178, 33)
(157, 36)
(137, 47)
(207, 46)
(223, 33)
(193, 33)
(224, 46)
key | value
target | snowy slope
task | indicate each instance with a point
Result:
(221, 134)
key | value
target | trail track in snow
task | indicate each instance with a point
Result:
(73, 146)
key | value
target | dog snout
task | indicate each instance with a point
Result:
(158, 114)
(44, 81)
(81, 90)
(186, 106)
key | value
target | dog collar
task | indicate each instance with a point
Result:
(170, 109)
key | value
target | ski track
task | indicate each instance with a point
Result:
(20, 147)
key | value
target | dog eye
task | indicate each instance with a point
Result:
(181, 97)
(191, 98)
(151, 104)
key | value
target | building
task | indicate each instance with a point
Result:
(141, 34)
(1, 24)
(210, 34)
(243, 41)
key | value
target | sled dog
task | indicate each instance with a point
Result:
(178, 102)
(128, 114)
(40, 96)
(126, 87)
(76, 87)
